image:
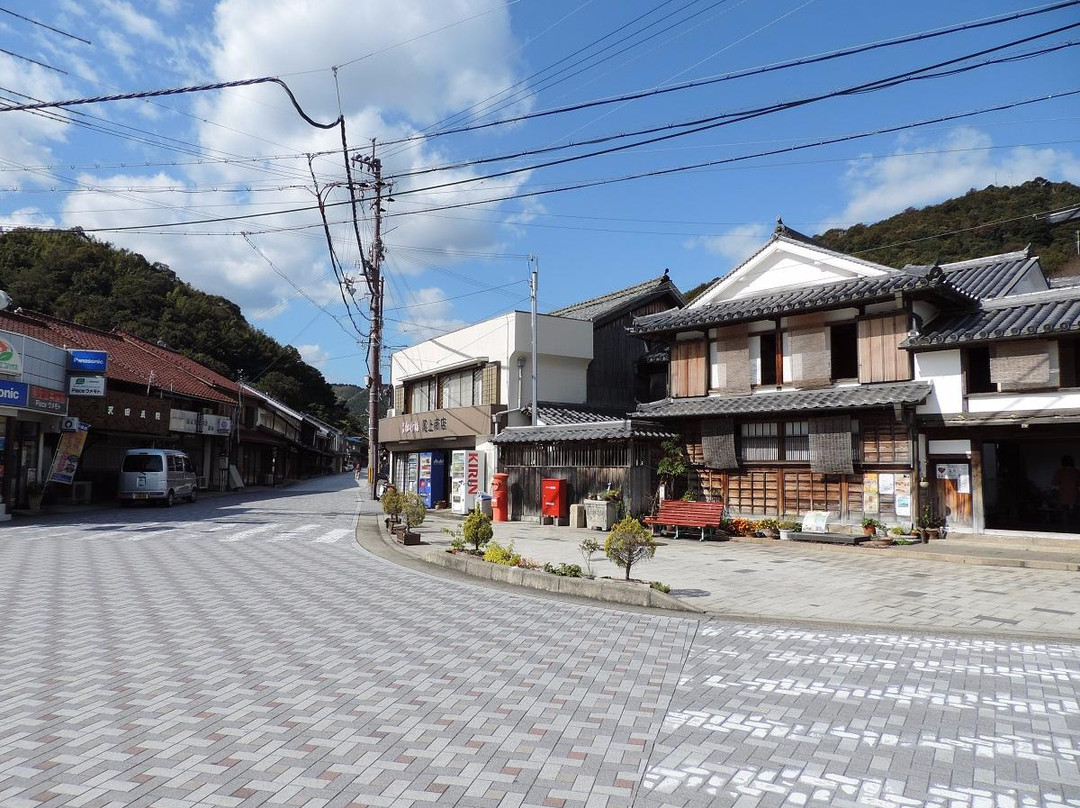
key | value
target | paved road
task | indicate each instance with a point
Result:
(247, 652)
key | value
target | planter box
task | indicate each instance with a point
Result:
(408, 537)
(601, 514)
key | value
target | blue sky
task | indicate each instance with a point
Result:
(406, 66)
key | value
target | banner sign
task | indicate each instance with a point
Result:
(183, 421)
(216, 425)
(46, 400)
(10, 361)
(14, 394)
(86, 386)
(66, 460)
(92, 361)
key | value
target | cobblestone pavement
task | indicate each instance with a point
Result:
(245, 652)
(786, 580)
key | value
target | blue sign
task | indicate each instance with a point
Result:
(14, 394)
(92, 361)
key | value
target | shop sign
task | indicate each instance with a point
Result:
(183, 421)
(86, 386)
(88, 361)
(10, 361)
(46, 400)
(14, 394)
(66, 460)
(216, 425)
(123, 412)
(422, 425)
(472, 472)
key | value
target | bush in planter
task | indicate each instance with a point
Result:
(660, 587)
(768, 526)
(477, 529)
(564, 570)
(587, 547)
(413, 510)
(741, 526)
(391, 504)
(497, 554)
(628, 543)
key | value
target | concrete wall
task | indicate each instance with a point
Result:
(942, 368)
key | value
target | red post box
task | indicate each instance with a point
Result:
(553, 501)
(500, 497)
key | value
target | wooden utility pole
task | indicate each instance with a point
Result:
(375, 285)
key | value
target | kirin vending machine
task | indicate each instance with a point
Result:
(466, 479)
(431, 484)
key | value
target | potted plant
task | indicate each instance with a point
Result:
(931, 523)
(413, 512)
(768, 527)
(786, 528)
(673, 464)
(870, 526)
(391, 505)
(34, 493)
(602, 509)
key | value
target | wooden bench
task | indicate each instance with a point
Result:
(677, 513)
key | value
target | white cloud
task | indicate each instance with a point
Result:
(912, 177)
(420, 314)
(736, 244)
(314, 355)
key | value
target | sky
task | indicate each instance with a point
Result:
(137, 173)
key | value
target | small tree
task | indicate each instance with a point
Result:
(392, 503)
(477, 528)
(587, 547)
(673, 464)
(628, 543)
(413, 510)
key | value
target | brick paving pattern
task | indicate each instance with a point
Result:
(246, 652)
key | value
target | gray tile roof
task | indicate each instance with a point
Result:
(1029, 315)
(608, 430)
(549, 414)
(987, 277)
(801, 299)
(833, 398)
(597, 307)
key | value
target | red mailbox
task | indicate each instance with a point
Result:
(553, 501)
(500, 497)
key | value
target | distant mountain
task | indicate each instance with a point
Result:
(993, 220)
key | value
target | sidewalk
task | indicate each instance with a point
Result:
(896, 588)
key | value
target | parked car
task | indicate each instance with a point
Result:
(156, 475)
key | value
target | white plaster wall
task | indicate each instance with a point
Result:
(942, 368)
(1025, 402)
(487, 339)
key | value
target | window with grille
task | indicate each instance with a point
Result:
(758, 441)
(797, 440)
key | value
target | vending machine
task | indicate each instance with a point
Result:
(411, 472)
(466, 479)
(431, 484)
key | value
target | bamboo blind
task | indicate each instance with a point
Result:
(811, 358)
(1021, 365)
(830, 445)
(730, 371)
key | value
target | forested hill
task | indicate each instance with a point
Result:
(993, 220)
(74, 277)
(985, 222)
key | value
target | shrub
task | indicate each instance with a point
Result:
(611, 495)
(628, 543)
(659, 587)
(788, 525)
(477, 529)
(742, 527)
(565, 570)
(391, 503)
(768, 523)
(528, 564)
(497, 554)
(690, 496)
(413, 510)
(457, 539)
(587, 547)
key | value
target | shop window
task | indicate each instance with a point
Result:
(758, 441)
(844, 349)
(978, 370)
(768, 359)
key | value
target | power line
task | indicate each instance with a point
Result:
(14, 55)
(821, 57)
(47, 27)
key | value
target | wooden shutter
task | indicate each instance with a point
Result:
(881, 359)
(830, 445)
(1022, 365)
(811, 359)
(688, 371)
(489, 384)
(399, 400)
(718, 444)
(730, 361)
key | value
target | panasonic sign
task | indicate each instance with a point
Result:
(14, 394)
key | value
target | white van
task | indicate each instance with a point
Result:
(157, 475)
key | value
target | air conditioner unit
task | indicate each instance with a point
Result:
(207, 411)
(69, 424)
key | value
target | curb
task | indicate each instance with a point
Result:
(604, 591)
(949, 558)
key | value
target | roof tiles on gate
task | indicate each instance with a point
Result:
(1029, 315)
(832, 398)
(606, 430)
(597, 307)
(549, 414)
(987, 277)
(802, 299)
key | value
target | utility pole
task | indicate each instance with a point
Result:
(533, 282)
(375, 285)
